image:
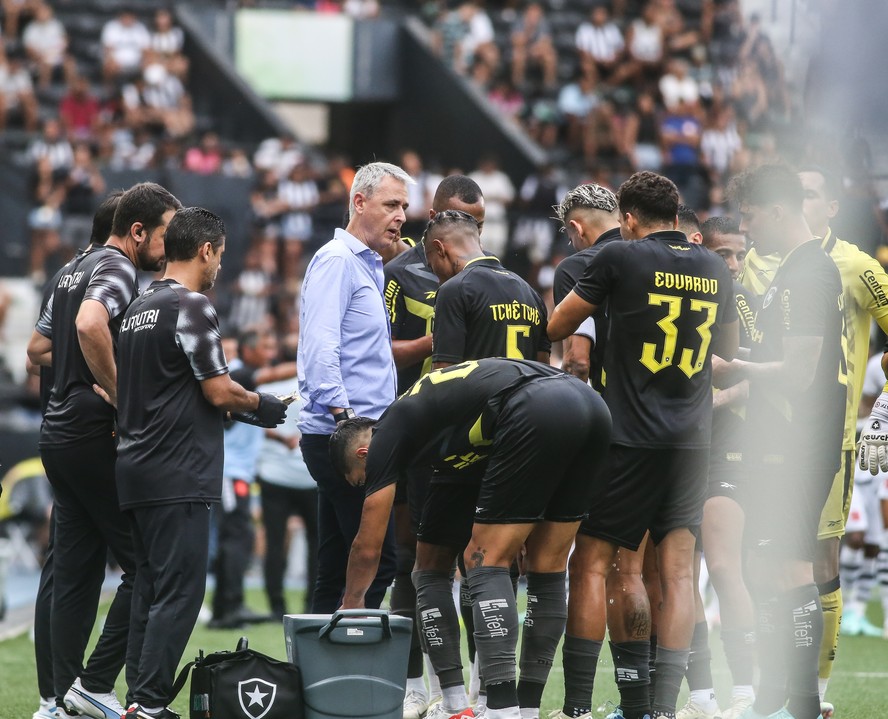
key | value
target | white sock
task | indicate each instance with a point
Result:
(417, 684)
(742, 691)
(821, 686)
(434, 683)
(455, 698)
(530, 712)
(705, 699)
(504, 713)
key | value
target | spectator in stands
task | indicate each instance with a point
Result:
(645, 47)
(678, 38)
(480, 41)
(84, 186)
(267, 206)
(532, 46)
(79, 110)
(13, 11)
(750, 98)
(45, 219)
(53, 145)
(600, 45)
(419, 195)
(499, 192)
(124, 39)
(300, 196)
(46, 44)
(133, 151)
(602, 141)
(17, 97)
(279, 154)
(534, 229)
(677, 85)
(506, 98)
(205, 158)
(449, 31)
(721, 144)
(237, 164)
(252, 292)
(158, 100)
(642, 141)
(167, 44)
(681, 132)
(576, 102)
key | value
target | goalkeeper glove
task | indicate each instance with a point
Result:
(874, 438)
(270, 412)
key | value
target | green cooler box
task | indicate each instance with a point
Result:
(353, 663)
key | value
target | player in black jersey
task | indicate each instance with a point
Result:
(174, 385)
(101, 230)
(794, 427)
(410, 289)
(536, 436)
(669, 303)
(589, 217)
(721, 534)
(482, 309)
(76, 334)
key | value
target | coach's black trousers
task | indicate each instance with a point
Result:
(172, 544)
(88, 522)
(339, 517)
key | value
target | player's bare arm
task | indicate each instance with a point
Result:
(575, 360)
(568, 316)
(40, 350)
(363, 559)
(410, 352)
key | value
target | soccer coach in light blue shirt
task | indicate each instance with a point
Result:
(346, 367)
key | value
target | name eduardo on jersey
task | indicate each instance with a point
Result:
(691, 283)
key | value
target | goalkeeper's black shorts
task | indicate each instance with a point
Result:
(649, 489)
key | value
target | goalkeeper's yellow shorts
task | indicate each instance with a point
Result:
(838, 504)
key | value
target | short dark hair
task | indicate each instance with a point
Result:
(343, 438)
(649, 197)
(832, 186)
(189, 229)
(766, 184)
(146, 203)
(104, 218)
(465, 189)
(688, 218)
(721, 225)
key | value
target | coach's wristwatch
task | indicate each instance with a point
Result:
(343, 415)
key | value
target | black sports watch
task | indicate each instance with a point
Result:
(343, 415)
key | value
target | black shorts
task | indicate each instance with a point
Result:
(549, 447)
(783, 507)
(649, 489)
(726, 455)
(448, 511)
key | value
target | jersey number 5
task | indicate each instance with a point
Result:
(687, 362)
(513, 332)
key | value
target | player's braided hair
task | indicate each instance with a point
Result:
(451, 217)
(588, 197)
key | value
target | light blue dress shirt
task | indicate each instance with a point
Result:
(345, 348)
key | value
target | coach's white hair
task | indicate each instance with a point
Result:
(370, 176)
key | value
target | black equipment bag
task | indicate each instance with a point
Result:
(243, 684)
